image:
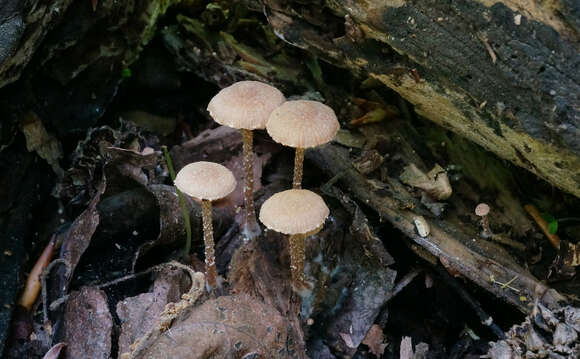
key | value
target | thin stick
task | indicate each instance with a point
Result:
(297, 258)
(251, 227)
(298, 169)
(210, 269)
(403, 282)
(535, 214)
(33, 282)
(184, 209)
(43, 275)
(485, 318)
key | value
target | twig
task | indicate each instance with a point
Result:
(483, 38)
(43, 275)
(485, 318)
(56, 303)
(505, 285)
(127, 277)
(33, 285)
(401, 284)
(535, 214)
(505, 240)
(181, 201)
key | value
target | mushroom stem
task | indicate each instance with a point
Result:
(297, 258)
(210, 269)
(486, 233)
(251, 227)
(298, 161)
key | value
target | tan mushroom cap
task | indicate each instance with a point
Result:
(294, 211)
(302, 124)
(481, 210)
(245, 104)
(205, 180)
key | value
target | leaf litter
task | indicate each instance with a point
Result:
(256, 314)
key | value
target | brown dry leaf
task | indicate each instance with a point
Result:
(78, 237)
(375, 340)
(435, 182)
(230, 326)
(570, 253)
(374, 112)
(54, 352)
(138, 314)
(130, 163)
(40, 141)
(87, 325)
(531, 338)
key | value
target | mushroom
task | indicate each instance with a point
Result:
(302, 124)
(482, 210)
(246, 105)
(206, 181)
(298, 213)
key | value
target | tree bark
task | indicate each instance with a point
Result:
(503, 74)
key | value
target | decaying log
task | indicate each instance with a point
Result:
(503, 74)
(482, 262)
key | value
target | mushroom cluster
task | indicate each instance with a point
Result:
(251, 105)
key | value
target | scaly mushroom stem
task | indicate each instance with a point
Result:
(251, 228)
(210, 269)
(297, 258)
(486, 233)
(298, 161)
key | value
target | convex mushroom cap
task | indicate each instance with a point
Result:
(295, 211)
(205, 180)
(302, 124)
(245, 105)
(481, 210)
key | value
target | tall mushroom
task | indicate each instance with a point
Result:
(246, 105)
(302, 124)
(206, 181)
(298, 213)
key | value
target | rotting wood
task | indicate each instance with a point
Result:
(449, 242)
(524, 106)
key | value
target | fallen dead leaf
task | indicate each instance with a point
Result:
(375, 340)
(435, 182)
(139, 314)
(88, 325)
(54, 352)
(229, 326)
(78, 237)
(39, 140)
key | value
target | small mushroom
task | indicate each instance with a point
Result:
(246, 105)
(298, 213)
(482, 210)
(302, 124)
(206, 181)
